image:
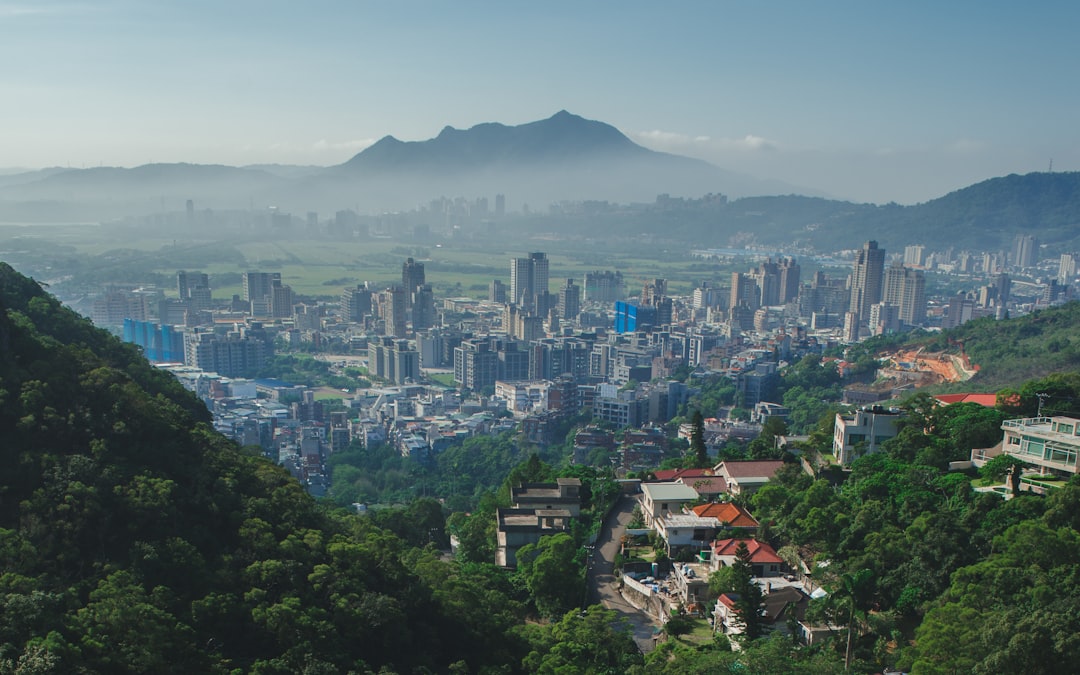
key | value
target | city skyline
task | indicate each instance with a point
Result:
(859, 102)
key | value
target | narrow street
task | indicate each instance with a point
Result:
(602, 583)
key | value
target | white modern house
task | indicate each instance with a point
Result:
(863, 432)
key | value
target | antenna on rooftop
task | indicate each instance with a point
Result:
(1042, 398)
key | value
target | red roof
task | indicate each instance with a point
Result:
(760, 552)
(763, 467)
(668, 475)
(987, 400)
(705, 485)
(726, 512)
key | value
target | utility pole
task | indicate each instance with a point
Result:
(1042, 399)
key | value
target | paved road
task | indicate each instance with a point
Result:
(601, 581)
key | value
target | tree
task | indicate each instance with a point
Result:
(853, 589)
(697, 440)
(748, 605)
(1001, 466)
(554, 578)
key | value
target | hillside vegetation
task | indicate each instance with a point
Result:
(133, 538)
(1007, 353)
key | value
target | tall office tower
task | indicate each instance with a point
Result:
(653, 291)
(603, 287)
(866, 279)
(790, 274)
(1066, 268)
(569, 301)
(392, 309)
(1002, 287)
(744, 291)
(500, 205)
(355, 303)
(497, 291)
(190, 208)
(412, 278)
(1025, 251)
(767, 276)
(186, 281)
(892, 286)
(281, 301)
(906, 289)
(914, 254)
(423, 308)
(528, 278)
(913, 299)
(258, 285)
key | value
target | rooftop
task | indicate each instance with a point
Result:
(667, 492)
(750, 468)
(727, 512)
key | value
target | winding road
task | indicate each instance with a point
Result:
(601, 581)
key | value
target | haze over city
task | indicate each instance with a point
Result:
(858, 102)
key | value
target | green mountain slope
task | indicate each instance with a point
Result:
(135, 539)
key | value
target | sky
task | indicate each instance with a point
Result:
(867, 101)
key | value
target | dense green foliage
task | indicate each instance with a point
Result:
(135, 539)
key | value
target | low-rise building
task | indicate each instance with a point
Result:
(1047, 444)
(744, 478)
(863, 432)
(763, 559)
(519, 527)
(660, 499)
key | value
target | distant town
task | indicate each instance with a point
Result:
(537, 350)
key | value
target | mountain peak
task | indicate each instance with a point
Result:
(563, 137)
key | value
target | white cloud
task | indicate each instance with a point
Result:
(675, 142)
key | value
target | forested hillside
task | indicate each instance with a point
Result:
(1007, 353)
(135, 539)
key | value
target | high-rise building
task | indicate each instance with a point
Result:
(528, 279)
(423, 308)
(1025, 251)
(1067, 268)
(745, 291)
(281, 301)
(905, 289)
(767, 277)
(258, 285)
(866, 279)
(186, 281)
(392, 310)
(500, 205)
(412, 278)
(790, 273)
(355, 303)
(603, 287)
(497, 291)
(569, 301)
(914, 254)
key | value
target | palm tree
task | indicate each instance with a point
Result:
(852, 589)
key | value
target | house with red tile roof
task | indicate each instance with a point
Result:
(707, 487)
(987, 400)
(746, 477)
(668, 475)
(763, 558)
(729, 514)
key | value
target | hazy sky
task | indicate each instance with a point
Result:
(869, 101)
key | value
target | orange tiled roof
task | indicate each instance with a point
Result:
(760, 552)
(726, 512)
(988, 400)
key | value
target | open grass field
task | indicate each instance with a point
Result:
(322, 268)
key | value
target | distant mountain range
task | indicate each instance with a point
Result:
(561, 158)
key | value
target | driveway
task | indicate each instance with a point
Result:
(601, 581)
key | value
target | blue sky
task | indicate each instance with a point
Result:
(868, 101)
